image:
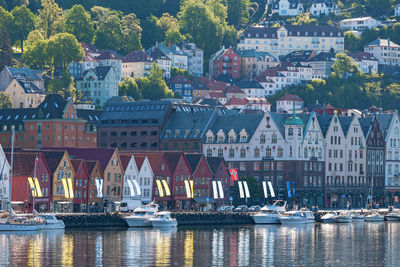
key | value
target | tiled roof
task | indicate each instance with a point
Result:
(25, 73)
(188, 125)
(125, 159)
(76, 163)
(384, 119)
(155, 158)
(236, 122)
(103, 155)
(139, 161)
(172, 159)
(256, 54)
(214, 94)
(181, 79)
(90, 164)
(233, 89)
(249, 85)
(89, 114)
(156, 53)
(138, 113)
(363, 56)
(193, 160)
(382, 42)
(137, 56)
(111, 55)
(100, 72)
(214, 163)
(289, 97)
(53, 158)
(30, 88)
(24, 162)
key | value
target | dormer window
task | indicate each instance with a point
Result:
(243, 138)
(220, 139)
(209, 139)
(290, 132)
(168, 133)
(187, 132)
(197, 133)
(231, 139)
(177, 133)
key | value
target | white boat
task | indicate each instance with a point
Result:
(374, 217)
(141, 215)
(356, 217)
(163, 219)
(50, 221)
(270, 214)
(297, 217)
(20, 224)
(343, 217)
(329, 217)
(393, 216)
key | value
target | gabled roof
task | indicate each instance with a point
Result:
(188, 124)
(293, 4)
(25, 74)
(110, 55)
(30, 88)
(76, 163)
(384, 120)
(260, 55)
(363, 56)
(233, 89)
(289, 97)
(157, 53)
(345, 122)
(101, 72)
(213, 102)
(173, 159)
(139, 161)
(214, 163)
(90, 164)
(89, 114)
(137, 56)
(53, 158)
(125, 159)
(324, 122)
(181, 79)
(103, 155)
(365, 124)
(23, 163)
(249, 85)
(155, 158)
(324, 56)
(193, 160)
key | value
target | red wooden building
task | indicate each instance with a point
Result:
(225, 62)
(24, 167)
(81, 186)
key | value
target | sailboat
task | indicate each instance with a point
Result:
(14, 222)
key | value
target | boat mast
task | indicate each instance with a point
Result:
(11, 172)
(34, 176)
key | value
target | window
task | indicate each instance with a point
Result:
(280, 152)
(262, 139)
(242, 152)
(231, 153)
(220, 152)
(256, 152)
(268, 152)
(209, 152)
(274, 139)
(242, 166)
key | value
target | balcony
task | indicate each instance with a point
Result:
(267, 158)
(313, 158)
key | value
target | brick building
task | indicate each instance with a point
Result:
(225, 62)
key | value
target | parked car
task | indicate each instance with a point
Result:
(221, 209)
(255, 208)
(229, 208)
(241, 208)
(225, 208)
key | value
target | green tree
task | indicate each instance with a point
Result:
(109, 34)
(238, 13)
(344, 66)
(23, 24)
(380, 7)
(78, 23)
(154, 86)
(63, 86)
(5, 19)
(5, 100)
(64, 48)
(36, 55)
(129, 87)
(33, 36)
(131, 30)
(352, 42)
(49, 20)
(150, 32)
(304, 19)
(6, 54)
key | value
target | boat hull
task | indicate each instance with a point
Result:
(135, 222)
(392, 218)
(19, 227)
(330, 220)
(295, 221)
(374, 219)
(358, 219)
(343, 220)
(53, 226)
(163, 224)
(266, 219)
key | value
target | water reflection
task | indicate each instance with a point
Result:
(364, 244)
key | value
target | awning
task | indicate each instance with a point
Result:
(204, 200)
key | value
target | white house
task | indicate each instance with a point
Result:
(387, 52)
(285, 103)
(145, 178)
(397, 10)
(366, 62)
(4, 180)
(248, 103)
(131, 172)
(359, 24)
(162, 60)
(287, 7)
(323, 7)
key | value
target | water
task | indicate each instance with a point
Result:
(362, 244)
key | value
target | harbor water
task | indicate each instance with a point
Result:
(353, 244)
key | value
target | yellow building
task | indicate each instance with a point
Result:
(136, 64)
(24, 94)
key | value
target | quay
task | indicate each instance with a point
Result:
(80, 220)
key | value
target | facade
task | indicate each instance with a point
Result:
(225, 62)
(24, 167)
(178, 58)
(285, 103)
(112, 59)
(195, 58)
(136, 64)
(95, 203)
(253, 63)
(287, 7)
(233, 91)
(248, 103)
(359, 24)
(289, 38)
(131, 172)
(8, 74)
(220, 173)
(252, 89)
(321, 65)
(323, 7)
(145, 178)
(81, 186)
(55, 122)
(24, 94)
(366, 62)
(4, 180)
(385, 51)
(132, 125)
(98, 84)
(397, 10)
(183, 86)
(162, 60)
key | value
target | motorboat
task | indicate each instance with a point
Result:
(163, 219)
(329, 217)
(297, 217)
(374, 217)
(50, 221)
(270, 214)
(393, 216)
(356, 217)
(343, 217)
(141, 215)
(21, 224)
